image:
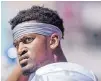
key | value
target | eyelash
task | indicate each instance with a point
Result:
(28, 40)
(24, 40)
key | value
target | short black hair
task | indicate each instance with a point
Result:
(39, 14)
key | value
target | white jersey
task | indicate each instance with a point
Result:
(62, 71)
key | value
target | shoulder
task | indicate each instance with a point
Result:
(51, 68)
(63, 68)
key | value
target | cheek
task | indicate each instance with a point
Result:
(38, 50)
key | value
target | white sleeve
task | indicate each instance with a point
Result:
(54, 76)
(62, 76)
(63, 72)
(49, 78)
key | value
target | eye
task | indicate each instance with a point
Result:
(28, 40)
(15, 45)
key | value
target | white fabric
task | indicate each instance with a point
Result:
(63, 71)
(39, 28)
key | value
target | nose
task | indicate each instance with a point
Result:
(22, 49)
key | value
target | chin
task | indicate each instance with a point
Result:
(28, 69)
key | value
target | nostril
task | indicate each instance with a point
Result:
(23, 52)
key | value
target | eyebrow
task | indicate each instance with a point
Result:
(19, 39)
(30, 35)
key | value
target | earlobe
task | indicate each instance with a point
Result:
(54, 41)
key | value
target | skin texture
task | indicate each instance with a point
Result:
(42, 50)
(34, 51)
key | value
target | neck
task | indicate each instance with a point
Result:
(59, 55)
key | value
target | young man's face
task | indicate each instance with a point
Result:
(33, 52)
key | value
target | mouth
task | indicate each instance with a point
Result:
(27, 64)
(23, 60)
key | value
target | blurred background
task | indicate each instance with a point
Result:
(82, 40)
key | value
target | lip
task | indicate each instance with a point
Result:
(25, 56)
(23, 60)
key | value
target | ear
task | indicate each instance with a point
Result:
(54, 41)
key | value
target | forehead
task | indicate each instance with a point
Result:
(26, 28)
(26, 35)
